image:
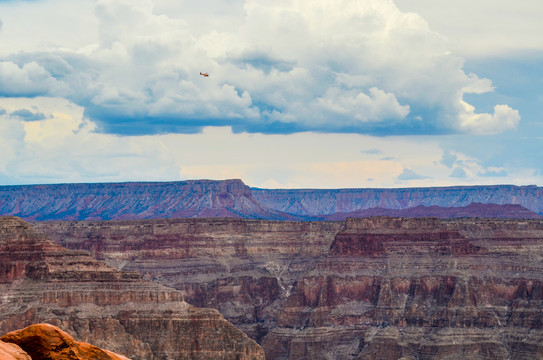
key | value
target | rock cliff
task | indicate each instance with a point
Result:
(232, 198)
(374, 288)
(196, 198)
(314, 202)
(41, 281)
(44, 341)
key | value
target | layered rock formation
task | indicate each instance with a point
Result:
(197, 198)
(473, 210)
(376, 288)
(316, 202)
(44, 341)
(232, 198)
(42, 282)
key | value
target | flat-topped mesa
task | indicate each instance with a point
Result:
(41, 281)
(194, 198)
(315, 202)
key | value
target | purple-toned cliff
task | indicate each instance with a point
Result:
(317, 202)
(232, 198)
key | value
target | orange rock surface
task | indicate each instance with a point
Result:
(44, 341)
(12, 352)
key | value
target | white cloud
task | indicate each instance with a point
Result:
(30, 79)
(483, 28)
(279, 67)
(64, 147)
(504, 118)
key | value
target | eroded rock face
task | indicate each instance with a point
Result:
(376, 288)
(234, 199)
(44, 341)
(193, 198)
(311, 202)
(41, 281)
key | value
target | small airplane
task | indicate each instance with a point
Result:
(204, 74)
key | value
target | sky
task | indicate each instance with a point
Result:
(300, 93)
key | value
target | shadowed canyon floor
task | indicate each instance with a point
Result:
(40, 281)
(374, 288)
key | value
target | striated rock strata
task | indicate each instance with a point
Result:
(44, 341)
(318, 202)
(194, 198)
(42, 282)
(507, 211)
(373, 288)
(232, 198)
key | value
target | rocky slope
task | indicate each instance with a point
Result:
(375, 288)
(232, 198)
(44, 341)
(41, 281)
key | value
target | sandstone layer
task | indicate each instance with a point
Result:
(10, 351)
(44, 341)
(41, 281)
(375, 288)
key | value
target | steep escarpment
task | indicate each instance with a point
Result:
(195, 198)
(375, 288)
(41, 281)
(234, 199)
(257, 260)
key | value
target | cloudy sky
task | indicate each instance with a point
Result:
(300, 93)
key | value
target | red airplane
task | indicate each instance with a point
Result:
(204, 74)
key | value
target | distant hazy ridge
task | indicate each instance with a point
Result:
(232, 198)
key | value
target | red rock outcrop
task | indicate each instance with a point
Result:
(41, 281)
(374, 288)
(44, 341)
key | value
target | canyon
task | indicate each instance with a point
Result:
(232, 198)
(362, 288)
(42, 282)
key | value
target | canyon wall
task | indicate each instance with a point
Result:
(195, 198)
(313, 202)
(375, 288)
(232, 198)
(40, 281)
